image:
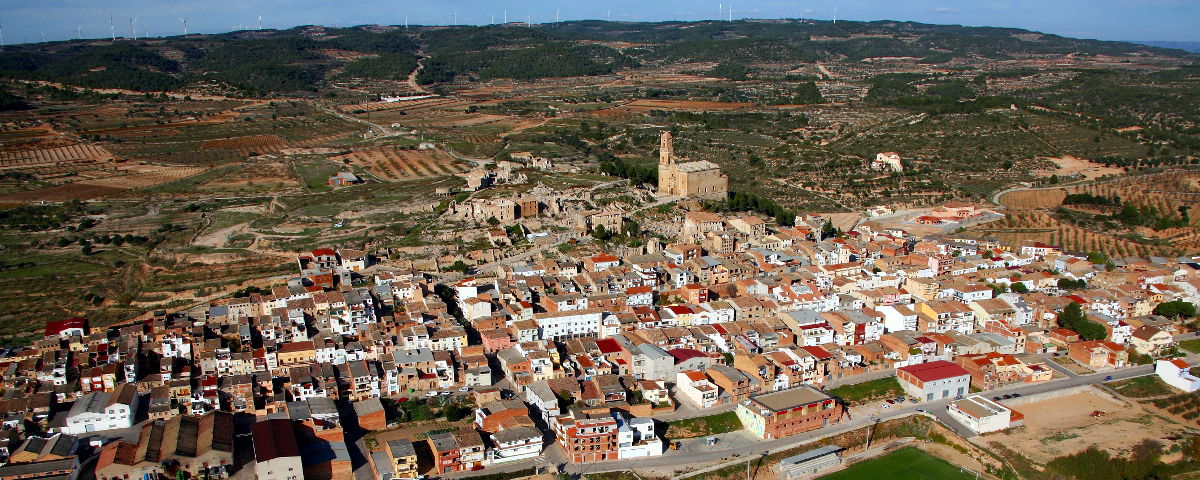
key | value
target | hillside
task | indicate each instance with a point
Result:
(304, 59)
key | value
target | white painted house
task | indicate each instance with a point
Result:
(1177, 373)
(100, 411)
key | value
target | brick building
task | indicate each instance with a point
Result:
(789, 412)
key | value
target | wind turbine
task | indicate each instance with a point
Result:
(506, 17)
(527, 22)
(78, 32)
(556, 15)
(133, 27)
(260, 21)
(835, 8)
(608, 18)
(184, 22)
(2, 36)
(406, 22)
(731, 11)
(456, 17)
(720, 10)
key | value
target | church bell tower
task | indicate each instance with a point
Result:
(666, 165)
(666, 150)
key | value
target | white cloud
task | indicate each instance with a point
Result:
(946, 10)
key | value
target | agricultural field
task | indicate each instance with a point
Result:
(1033, 199)
(1085, 226)
(394, 164)
(1184, 407)
(249, 146)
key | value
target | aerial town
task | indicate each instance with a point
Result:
(576, 362)
(333, 242)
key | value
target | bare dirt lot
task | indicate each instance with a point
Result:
(1069, 165)
(1064, 425)
(1033, 198)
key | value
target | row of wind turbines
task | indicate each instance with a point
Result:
(133, 29)
(724, 12)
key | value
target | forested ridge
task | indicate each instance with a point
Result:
(303, 59)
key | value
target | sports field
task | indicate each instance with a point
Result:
(905, 464)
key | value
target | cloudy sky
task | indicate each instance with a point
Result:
(31, 20)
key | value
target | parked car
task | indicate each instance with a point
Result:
(1015, 395)
(995, 399)
(1108, 378)
(465, 389)
(431, 393)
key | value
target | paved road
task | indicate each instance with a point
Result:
(1056, 366)
(739, 445)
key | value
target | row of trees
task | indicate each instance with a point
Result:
(637, 174)
(749, 202)
(1089, 199)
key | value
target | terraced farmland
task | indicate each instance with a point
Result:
(393, 164)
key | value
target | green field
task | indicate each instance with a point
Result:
(703, 426)
(869, 390)
(1141, 387)
(1190, 345)
(905, 464)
